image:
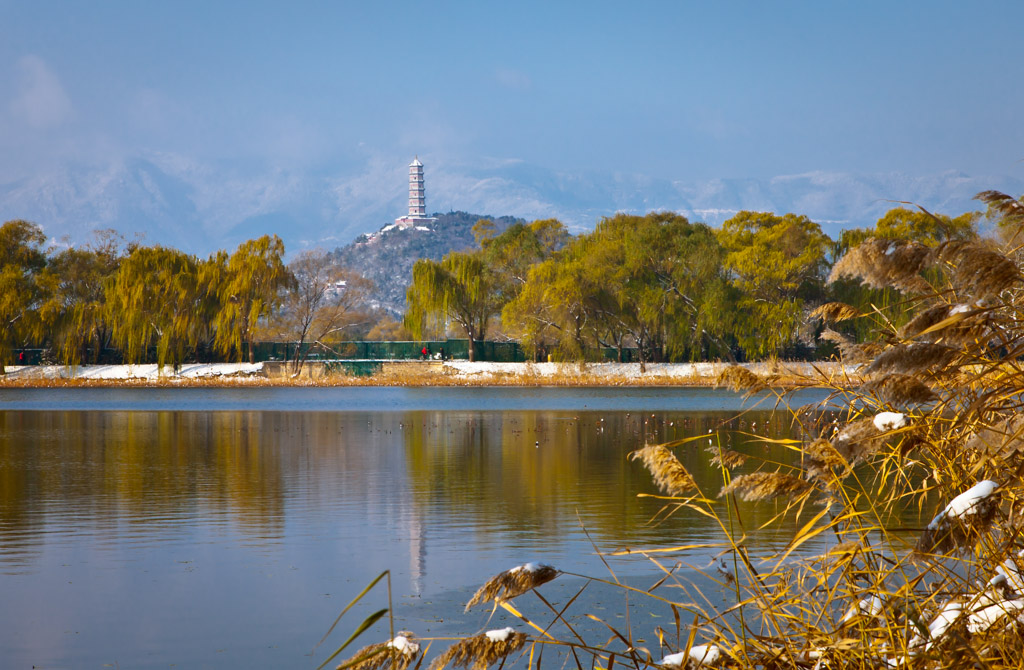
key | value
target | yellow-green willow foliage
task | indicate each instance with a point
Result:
(253, 279)
(459, 289)
(655, 281)
(776, 262)
(22, 259)
(74, 311)
(155, 299)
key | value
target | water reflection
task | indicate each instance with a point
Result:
(206, 538)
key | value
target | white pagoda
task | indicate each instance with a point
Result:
(417, 215)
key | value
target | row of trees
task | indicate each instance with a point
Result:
(671, 288)
(81, 301)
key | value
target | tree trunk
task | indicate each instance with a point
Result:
(297, 361)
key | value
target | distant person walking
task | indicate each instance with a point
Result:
(426, 353)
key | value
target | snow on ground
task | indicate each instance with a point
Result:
(150, 371)
(707, 371)
(481, 371)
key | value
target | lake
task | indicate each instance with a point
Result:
(227, 528)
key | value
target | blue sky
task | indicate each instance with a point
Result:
(684, 90)
(669, 90)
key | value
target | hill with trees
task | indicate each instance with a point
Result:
(386, 257)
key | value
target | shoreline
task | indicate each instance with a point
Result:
(421, 374)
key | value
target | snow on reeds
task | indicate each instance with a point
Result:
(395, 654)
(961, 520)
(513, 582)
(480, 651)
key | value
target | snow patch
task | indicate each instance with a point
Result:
(125, 372)
(500, 634)
(890, 420)
(702, 654)
(404, 645)
(966, 503)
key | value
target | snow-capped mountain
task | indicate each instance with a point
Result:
(200, 208)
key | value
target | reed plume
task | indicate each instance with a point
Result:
(857, 441)
(668, 473)
(881, 263)
(836, 311)
(897, 389)
(738, 378)
(1004, 440)
(726, 457)
(911, 358)
(513, 582)
(481, 651)
(852, 352)
(395, 654)
(1006, 205)
(978, 270)
(764, 485)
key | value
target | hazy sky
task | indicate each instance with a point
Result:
(679, 90)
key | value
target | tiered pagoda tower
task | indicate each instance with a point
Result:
(417, 198)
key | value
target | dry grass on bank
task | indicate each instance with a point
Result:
(414, 374)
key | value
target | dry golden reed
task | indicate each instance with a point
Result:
(881, 263)
(668, 473)
(899, 390)
(1004, 204)
(979, 271)
(911, 358)
(852, 353)
(836, 311)
(857, 441)
(396, 654)
(924, 320)
(1003, 441)
(738, 378)
(480, 651)
(764, 485)
(726, 457)
(953, 534)
(513, 582)
(821, 451)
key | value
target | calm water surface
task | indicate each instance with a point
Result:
(206, 528)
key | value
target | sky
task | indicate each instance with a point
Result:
(674, 90)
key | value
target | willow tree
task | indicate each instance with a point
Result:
(459, 289)
(776, 263)
(518, 248)
(74, 311)
(154, 300)
(251, 290)
(22, 260)
(658, 274)
(550, 311)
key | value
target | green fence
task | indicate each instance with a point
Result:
(502, 352)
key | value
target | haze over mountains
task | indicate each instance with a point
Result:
(200, 208)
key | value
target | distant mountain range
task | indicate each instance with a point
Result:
(201, 208)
